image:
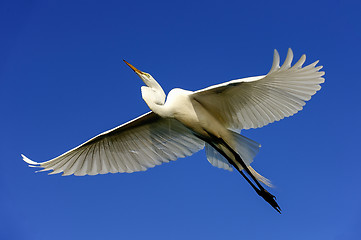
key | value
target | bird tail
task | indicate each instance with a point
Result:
(247, 150)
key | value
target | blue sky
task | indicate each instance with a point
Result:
(63, 81)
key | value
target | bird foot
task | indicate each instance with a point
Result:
(269, 198)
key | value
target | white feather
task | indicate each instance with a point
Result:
(258, 101)
(134, 146)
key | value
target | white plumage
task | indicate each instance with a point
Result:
(142, 143)
(188, 121)
(257, 101)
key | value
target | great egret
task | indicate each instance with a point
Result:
(187, 121)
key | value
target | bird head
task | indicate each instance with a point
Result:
(153, 91)
(146, 77)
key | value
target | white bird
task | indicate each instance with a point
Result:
(187, 121)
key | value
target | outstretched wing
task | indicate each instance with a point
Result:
(142, 143)
(257, 101)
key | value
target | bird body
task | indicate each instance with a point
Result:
(181, 106)
(185, 122)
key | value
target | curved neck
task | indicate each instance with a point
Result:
(155, 99)
(159, 109)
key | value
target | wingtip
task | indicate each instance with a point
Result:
(303, 59)
(290, 52)
(288, 61)
(275, 52)
(27, 160)
(276, 62)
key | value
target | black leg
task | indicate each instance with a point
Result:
(268, 197)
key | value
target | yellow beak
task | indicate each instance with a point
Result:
(132, 67)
